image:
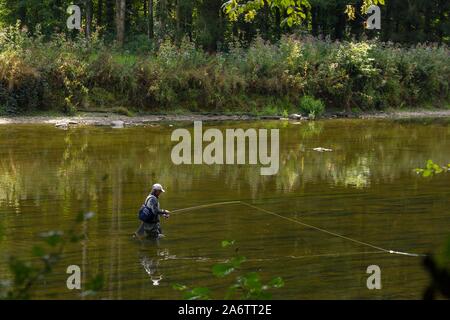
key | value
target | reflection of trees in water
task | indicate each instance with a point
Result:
(109, 171)
(83, 165)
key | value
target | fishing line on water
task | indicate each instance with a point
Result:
(302, 224)
(334, 255)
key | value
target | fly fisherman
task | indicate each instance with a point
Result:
(149, 215)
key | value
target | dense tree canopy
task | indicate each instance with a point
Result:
(213, 23)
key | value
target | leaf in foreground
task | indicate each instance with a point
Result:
(222, 269)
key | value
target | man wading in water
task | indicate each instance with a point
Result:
(149, 215)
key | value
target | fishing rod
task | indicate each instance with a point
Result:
(204, 206)
(180, 211)
(296, 221)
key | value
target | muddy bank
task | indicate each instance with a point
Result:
(110, 119)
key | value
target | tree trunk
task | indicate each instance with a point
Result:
(314, 20)
(442, 7)
(150, 31)
(339, 26)
(110, 16)
(120, 21)
(99, 13)
(178, 31)
(88, 18)
(23, 14)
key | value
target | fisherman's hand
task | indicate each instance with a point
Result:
(166, 214)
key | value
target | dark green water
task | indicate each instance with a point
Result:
(365, 189)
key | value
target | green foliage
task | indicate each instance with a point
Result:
(227, 243)
(437, 266)
(27, 274)
(94, 285)
(265, 78)
(431, 169)
(293, 11)
(252, 287)
(199, 293)
(140, 45)
(123, 111)
(247, 286)
(216, 24)
(312, 107)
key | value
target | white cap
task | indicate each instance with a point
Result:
(157, 186)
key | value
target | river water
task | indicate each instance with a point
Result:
(365, 189)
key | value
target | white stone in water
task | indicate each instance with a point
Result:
(62, 125)
(99, 123)
(295, 116)
(117, 124)
(320, 149)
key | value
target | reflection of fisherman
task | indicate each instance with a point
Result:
(151, 263)
(149, 214)
(151, 268)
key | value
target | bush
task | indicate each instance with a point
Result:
(312, 107)
(123, 111)
(72, 74)
(21, 87)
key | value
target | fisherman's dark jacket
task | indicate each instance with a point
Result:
(153, 204)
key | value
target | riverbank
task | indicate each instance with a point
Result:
(111, 119)
(292, 75)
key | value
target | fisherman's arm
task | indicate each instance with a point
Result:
(155, 208)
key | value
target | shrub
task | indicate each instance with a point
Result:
(312, 107)
(21, 87)
(246, 286)
(140, 44)
(72, 74)
(123, 111)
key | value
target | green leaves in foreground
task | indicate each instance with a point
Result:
(245, 287)
(252, 288)
(94, 285)
(223, 269)
(27, 274)
(227, 243)
(438, 268)
(432, 169)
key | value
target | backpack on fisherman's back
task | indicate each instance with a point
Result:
(146, 214)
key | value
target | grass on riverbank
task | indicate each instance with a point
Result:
(265, 79)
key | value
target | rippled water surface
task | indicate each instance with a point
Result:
(366, 189)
